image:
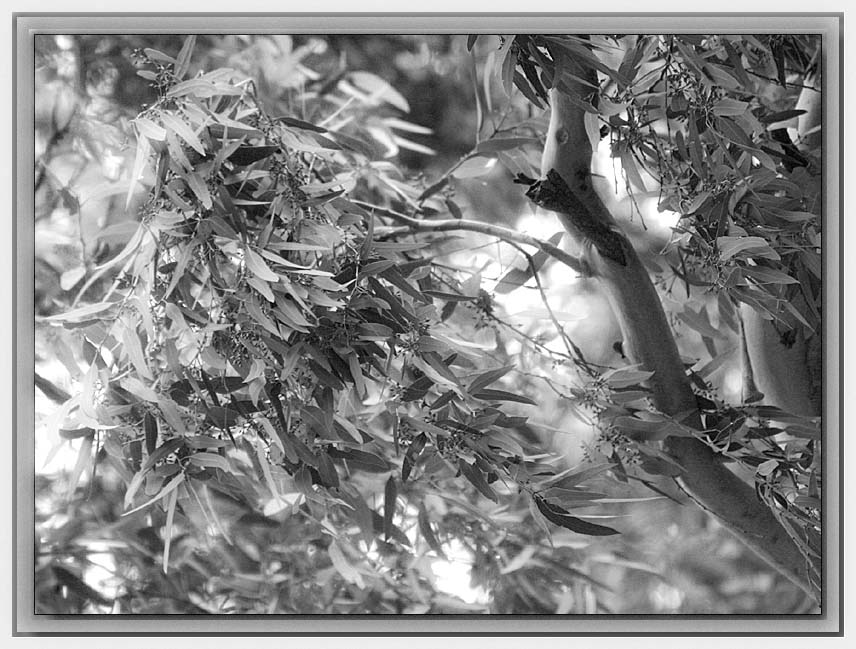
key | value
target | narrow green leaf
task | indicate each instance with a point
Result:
(171, 486)
(502, 395)
(182, 61)
(390, 493)
(472, 473)
(357, 375)
(299, 123)
(425, 426)
(150, 426)
(134, 350)
(247, 155)
(157, 55)
(81, 313)
(428, 533)
(84, 460)
(560, 517)
(165, 449)
(182, 129)
(211, 460)
(486, 378)
(149, 129)
(144, 148)
(327, 471)
(412, 454)
(199, 188)
(433, 189)
(170, 516)
(628, 164)
(752, 246)
(361, 459)
(343, 567)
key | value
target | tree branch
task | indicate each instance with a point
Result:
(789, 375)
(454, 225)
(648, 340)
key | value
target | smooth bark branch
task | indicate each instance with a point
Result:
(458, 225)
(789, 375)
(648, 340)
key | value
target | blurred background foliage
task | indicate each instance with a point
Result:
(669, 558)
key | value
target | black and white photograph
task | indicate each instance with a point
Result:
(459, 325)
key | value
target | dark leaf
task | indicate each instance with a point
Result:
(79, 587)
(51, 391)
(150, 425)
(412, 454)
(317, 420)
(327, 471)
(428, 533)
(453, 297)
(454, 209)
(361, 460)
(733, 132)
(502, 395)
(396, 279)
(433, 189)
(526, 89)
(390, 493)
(485, 379)
(395, 532)
(659, 466)
(560, 517)
(223, 418)
(76, 433)
(416, 390)
(246, 155)
(170, 446)
(781, 116)
(516, 277)
(299, 123)
(219, 131)
(472, 473)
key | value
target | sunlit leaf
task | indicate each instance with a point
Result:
(183, 130)
(168, 528)
(171, 486)
(343, 567)
(182, 61)
(475, 167)
(84, 461)
(149, 129)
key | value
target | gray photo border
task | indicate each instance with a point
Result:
(25, 622)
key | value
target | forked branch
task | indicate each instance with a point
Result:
(648, 339)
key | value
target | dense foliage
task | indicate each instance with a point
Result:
(290, 401)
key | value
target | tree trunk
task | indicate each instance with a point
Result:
(648, 340)
(788, 369)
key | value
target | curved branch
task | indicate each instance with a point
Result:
(454, 225)
(648, 340)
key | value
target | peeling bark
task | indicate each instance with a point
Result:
(648, 340)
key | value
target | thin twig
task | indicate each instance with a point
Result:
(452, 225)
(558, 325)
